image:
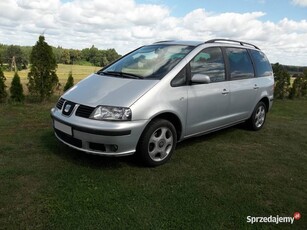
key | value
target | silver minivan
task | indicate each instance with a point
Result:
(159, 94)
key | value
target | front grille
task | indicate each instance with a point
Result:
(68, 139)
(60, 103)
(84, 111)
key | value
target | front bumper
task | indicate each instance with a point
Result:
(97, 137)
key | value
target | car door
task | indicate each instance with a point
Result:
(208, 104)
(243, 84)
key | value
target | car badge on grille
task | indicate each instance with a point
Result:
(67, 108)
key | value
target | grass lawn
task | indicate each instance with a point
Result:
(212, 182)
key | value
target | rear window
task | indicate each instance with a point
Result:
(240, 64)
(262, 64)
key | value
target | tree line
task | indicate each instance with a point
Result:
(11, 55)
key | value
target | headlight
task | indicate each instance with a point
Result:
(111, 113)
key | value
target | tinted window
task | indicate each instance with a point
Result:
(262, 64)
(209, 62)
(240, 64)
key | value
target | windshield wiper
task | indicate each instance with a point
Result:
(131, 75)
(120, 74)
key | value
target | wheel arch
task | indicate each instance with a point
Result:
(266, 101)
(154, 122)
(172, 118)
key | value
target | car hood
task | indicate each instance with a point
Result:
(108, 90)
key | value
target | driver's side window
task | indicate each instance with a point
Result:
(209, 62)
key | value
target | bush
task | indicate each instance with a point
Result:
(282, 82)
(16, 89)
(296, 89)
(69, 83)
(3, 93)
(299, 86)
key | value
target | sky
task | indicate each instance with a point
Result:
(278, 27)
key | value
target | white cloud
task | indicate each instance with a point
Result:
(45, 5)
(300, 2)
(125, 25)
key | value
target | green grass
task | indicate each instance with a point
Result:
(212, 182)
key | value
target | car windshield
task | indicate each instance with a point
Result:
(150, 62)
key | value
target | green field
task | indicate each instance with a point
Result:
(212, 182)
(78, 71)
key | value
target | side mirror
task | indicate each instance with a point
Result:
(200, 79)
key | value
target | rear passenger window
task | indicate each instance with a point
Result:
(209, 62)
(240, 64)
(262, 64)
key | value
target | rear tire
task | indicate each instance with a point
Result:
(257, 120)
(157, 143)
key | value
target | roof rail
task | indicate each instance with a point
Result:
(229, 40)
(164, 41)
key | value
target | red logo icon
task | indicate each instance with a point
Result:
(297, 215)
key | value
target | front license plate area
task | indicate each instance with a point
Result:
(63, 128)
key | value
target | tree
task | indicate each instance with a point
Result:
(57, 51)
(69, 83)
(2, 54)
(304, 84)
(112, 55)
(16, 89)
(75, 56)
(42, 76)
(65, 58)
(92, 55)
(297, 87)
(85, 54)
(20, 59)
(3, 93)
(104, 61)
(282, 81)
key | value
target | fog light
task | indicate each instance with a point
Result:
(113, 148)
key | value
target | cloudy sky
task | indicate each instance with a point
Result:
(279, 27)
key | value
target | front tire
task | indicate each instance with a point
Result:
(258, 117)
(157, 142)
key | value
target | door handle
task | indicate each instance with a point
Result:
(225, 92)
(256, 86)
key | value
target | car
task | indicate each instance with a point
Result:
(160, 94)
